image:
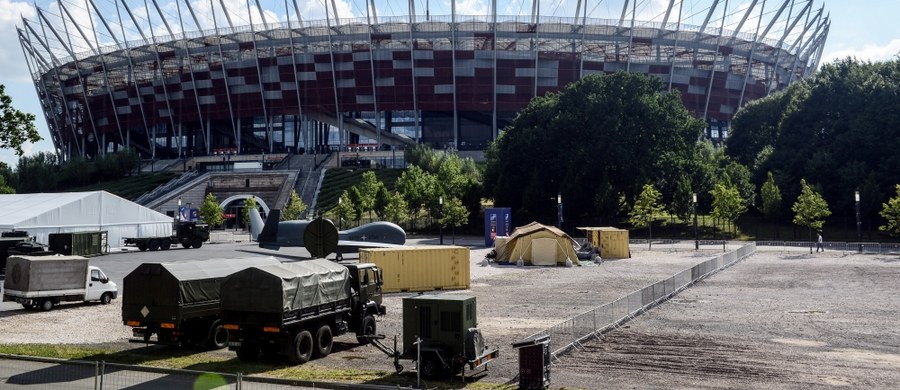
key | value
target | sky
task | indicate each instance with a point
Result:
(866, 30)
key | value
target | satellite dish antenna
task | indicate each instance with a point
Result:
(320, 238)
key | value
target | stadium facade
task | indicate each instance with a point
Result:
(197, 78)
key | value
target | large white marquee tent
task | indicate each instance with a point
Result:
(42, 214)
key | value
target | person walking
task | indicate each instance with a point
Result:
(819, 245)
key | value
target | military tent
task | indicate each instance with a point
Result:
(66, 212)
(537, 244)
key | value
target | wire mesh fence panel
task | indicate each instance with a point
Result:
(35, 374)
(605, 317)
(117, 376)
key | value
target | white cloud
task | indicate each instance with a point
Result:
(868, 52)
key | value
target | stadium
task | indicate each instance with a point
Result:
(180, 78)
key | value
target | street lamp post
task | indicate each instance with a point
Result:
(858, 222)
(441, 217)
(559, 211)
(340, 216)
(696, 234)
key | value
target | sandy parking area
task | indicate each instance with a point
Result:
(776, 319)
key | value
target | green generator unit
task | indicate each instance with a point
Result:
(447, 326)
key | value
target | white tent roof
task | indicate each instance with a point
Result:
(41, 214)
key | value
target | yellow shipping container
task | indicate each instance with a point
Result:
(421, 268)
(613, 242)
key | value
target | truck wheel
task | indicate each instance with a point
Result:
(218, 337)
(28, 306)
(154, 245)
(142, 246)
(196, 243)
(248, 352)
(324, 341)
(106, 298)
(431, 367)
(186, 245)
(301, 348)
(46, 305)
(165, 244)
(366, 328)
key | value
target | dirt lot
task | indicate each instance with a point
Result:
(781, 320)
(774, 320)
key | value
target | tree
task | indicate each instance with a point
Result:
(771, 200)
(344, 208)
(727, 204)
(294, 208)
(455, 215)
(891, 213)
(682, 201)
(5, 188)
(16, 127)
(210, 211)
(368, 191)
(810, 210)
(249, 204)
(395, 209)
(645, 207)
(419, 188)
(601, 135)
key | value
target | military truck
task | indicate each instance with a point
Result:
(8, 240)
(179, 302)
(440, 333)
(187, 233)
(296, 309)
(45, 281)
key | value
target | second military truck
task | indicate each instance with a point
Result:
(179, 302)
(296, 309)
(188, 234)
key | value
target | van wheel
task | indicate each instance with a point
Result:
(154, 245)
(324, 341)
(196, 243)
(46, 305)
(301, 348)
(218, 337)
(106, 298)
(248, 352)
(165, 244)
(366, 328)
(28, 306)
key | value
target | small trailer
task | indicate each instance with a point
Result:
(440, 334)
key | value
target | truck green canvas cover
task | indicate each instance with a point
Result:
(45, 273)
(168, 285)
(286, 287)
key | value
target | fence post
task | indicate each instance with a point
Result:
(96, 375)
(238, 382)
(102, 372)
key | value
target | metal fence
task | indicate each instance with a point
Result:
(19, 372)
(576, 330)
(848, 247)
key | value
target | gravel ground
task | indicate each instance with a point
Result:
(779, 319)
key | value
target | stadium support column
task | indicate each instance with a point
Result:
(535, 43)
(412, 60)
(36, 59)
(159, 66)
(262, 89)
(204, 125)
(294, 65)
(109, 89)
(712, 72)
(132, 78)
(337, 104)
(762, 11)
(494, 132)
(369, 27)
(453, 28)
(675, 45)
(631, 36)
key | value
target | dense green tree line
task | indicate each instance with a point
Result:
(44, 172)
(838, 130)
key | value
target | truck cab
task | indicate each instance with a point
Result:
(366, 281)
(98, 284)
